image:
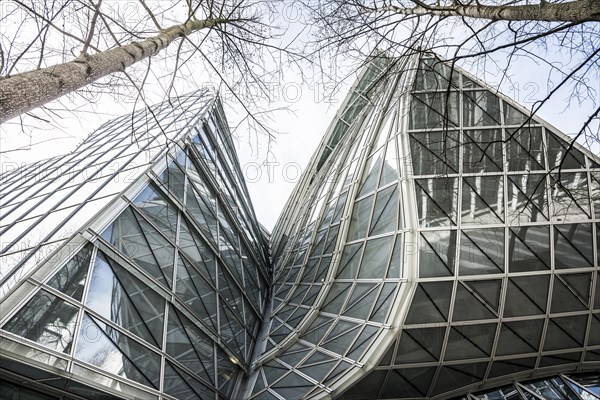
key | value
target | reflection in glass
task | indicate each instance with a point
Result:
(71, 277)
(104, 347)
(47, 320)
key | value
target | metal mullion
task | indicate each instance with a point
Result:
(79, 207)
(136, 215)
(482, 200)
(430, 196)
(442, 361)
(222, 154)
(193, 348)
(91, 311)
(219, 201)
(79, 323)
(573, 382)
(569, 240)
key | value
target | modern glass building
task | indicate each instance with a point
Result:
(133, 267)
(442, 243)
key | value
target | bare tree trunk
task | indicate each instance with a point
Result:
(26, 91)
(574, 11)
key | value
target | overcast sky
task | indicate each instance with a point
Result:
(310, 108)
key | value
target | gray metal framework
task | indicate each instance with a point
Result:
(441, 243)
(158, 271)
(446, 243)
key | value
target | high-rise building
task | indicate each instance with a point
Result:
(133, 267)
(443, 242)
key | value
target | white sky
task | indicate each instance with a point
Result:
(310, 110)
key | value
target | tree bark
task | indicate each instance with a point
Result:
(573, 11)
(23, 92)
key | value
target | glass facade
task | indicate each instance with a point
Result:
(160, 294)
(447, 244)
(442, 243)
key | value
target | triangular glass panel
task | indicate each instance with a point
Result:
(481, 108)
(570, 195)
(434, 110)
(483, 200)
(46, 319)
(433, 74)
(143, 244)
(470, 341)
(420, 345)
(70, 279)
(174, 178)
(331, 239)
(580, 285)
(181, 385)
(311, 296)
(318, 371)
(195, 291)
(382, 306)
(573, 246)
(361, 301)
(376, 258)
(231, 332)
(520, 337)
(118, 296)
(227, 371)
(408, 383)
(385, 211)
(389, 170)
(197, 251)
(369, 386)
(468, 306)
(595, 192)
(482, 150)
(395, 263)
(155, 206)
(362, 342)
(525, 150)
(528, 249)
(273, 371)
(488, 290)
(294, 354)
(430, 303)
(106, 348)
(434, 153)
(350, 261)
(559, 359)
(469, 83)
(564, 299)
(558, 157)
(455, 376)
(371, 174)
(230, 294)
(526, 295)
(509, 367)
(482, 251)
(190, 346)
(361, 214)
(565, 332)
(341, 337)
(437, 253)
(292, 386)
(437, 200)
(318, 329)
(200, 211)
(527, 198)
(512, 116)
